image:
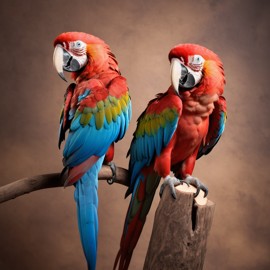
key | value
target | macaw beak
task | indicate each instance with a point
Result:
(63, 60)
(183, 78)
(58, 61)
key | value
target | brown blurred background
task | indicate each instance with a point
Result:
(39, 230)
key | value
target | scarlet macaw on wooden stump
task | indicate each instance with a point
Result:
(177, 127)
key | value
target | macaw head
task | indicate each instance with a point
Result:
(82, 54)
(193, 66)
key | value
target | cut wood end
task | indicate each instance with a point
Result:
(200, 199)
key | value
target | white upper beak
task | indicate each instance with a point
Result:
(58, 56)
(175, 73)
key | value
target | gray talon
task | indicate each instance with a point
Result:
(113, 168)
(196, 183)
(171, 182)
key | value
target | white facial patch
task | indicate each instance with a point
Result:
(77, 47)
(78, 51)
(195, 62)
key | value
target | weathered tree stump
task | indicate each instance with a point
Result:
(180, 230)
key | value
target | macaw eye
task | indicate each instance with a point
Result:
(78, 44)
(78, 48)
(196, 62)
(197, 59)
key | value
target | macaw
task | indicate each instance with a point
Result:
(177, 127)
(96, 111)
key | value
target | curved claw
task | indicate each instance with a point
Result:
(172, 182)
(198, 184)
(113, 168)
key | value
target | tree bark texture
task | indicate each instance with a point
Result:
(179, 234)
(29, 184)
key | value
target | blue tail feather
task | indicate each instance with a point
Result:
(86, 196)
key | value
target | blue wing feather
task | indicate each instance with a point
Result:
(145, 146)
(86, 197)
(86, 141)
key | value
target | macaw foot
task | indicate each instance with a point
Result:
(190, 180)
(172, 182)
(113, 168)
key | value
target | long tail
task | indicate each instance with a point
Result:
(141, 200)
(86, 196)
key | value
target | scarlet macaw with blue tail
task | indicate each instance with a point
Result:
(177, 127)
(97, 111)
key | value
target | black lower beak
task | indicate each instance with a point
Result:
(69, 63)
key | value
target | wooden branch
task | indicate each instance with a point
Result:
(179, 234)
(52, 180)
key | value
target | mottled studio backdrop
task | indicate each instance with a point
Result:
(39, 230)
